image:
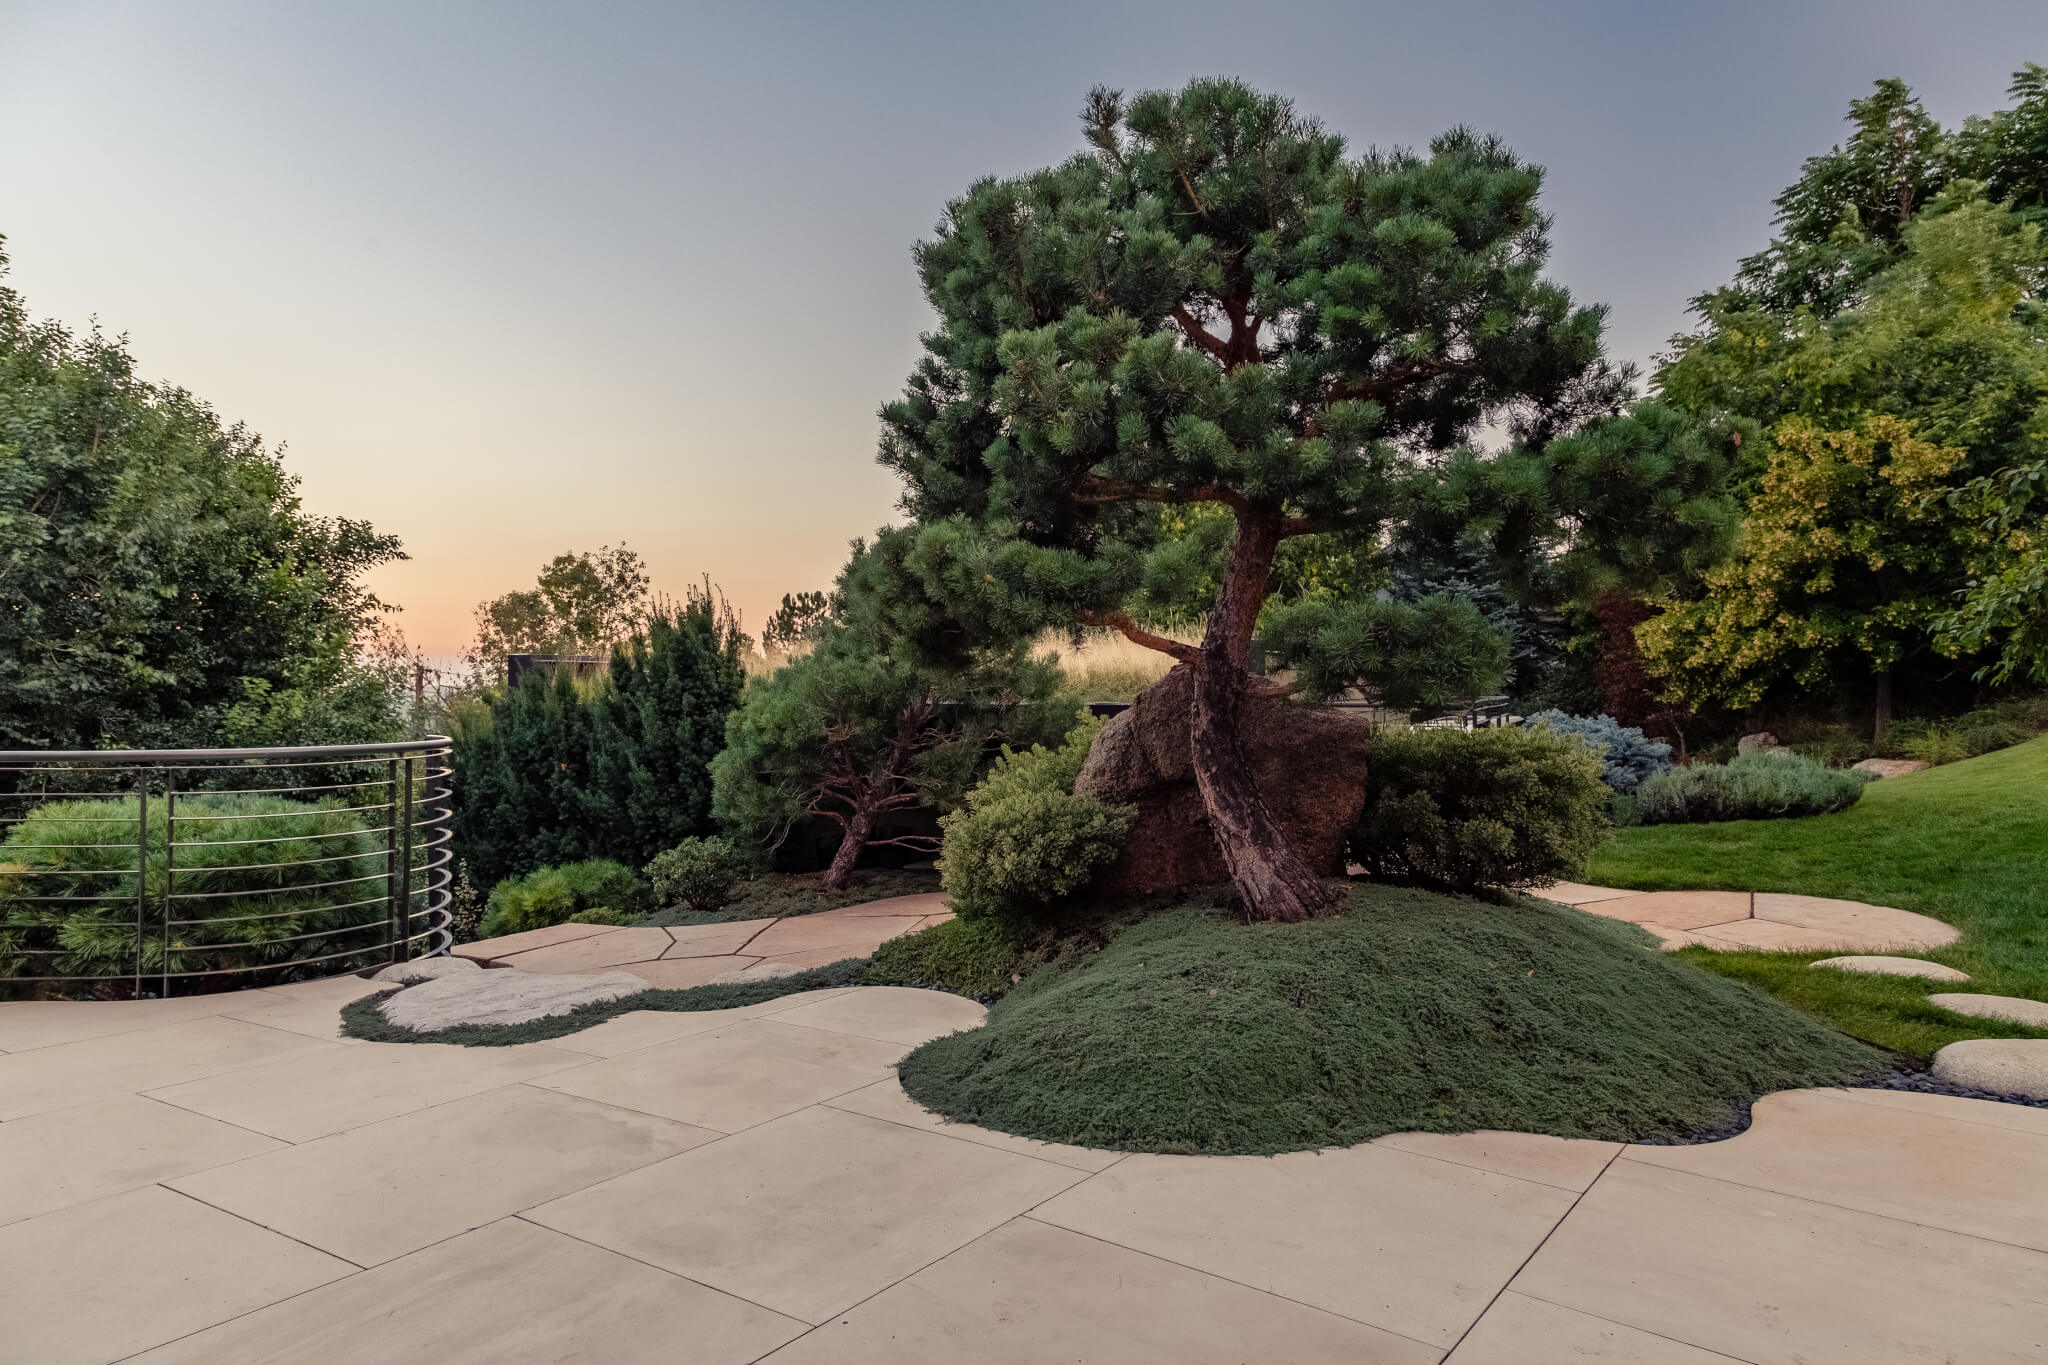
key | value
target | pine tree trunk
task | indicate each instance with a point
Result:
(1270, 876)
(859, 825)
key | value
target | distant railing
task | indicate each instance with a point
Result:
(152, 872)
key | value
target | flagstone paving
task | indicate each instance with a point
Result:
(180, 1183)
(1768, 920)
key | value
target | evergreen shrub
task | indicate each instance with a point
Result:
(1023, 842)
(1463, 809)
(557, 895)
(698, 873)
(69, 909)
(1630, 757)
(1749, 787)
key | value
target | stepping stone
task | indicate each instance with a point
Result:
(2012, 1008)
(1852, 924)
(506, 996)
(1893, 966)
(760, 971)
(427, 969)
(2010, 1066)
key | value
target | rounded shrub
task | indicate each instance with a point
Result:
(1023, 842)
(1750, 787)
(698, 873)
(556, 895)
(1497, 807)
(1629, 756)
(313, 888)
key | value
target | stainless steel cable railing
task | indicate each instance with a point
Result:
(137, 872)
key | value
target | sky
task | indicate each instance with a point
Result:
(510, 280)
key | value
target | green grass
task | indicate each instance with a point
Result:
(1191, 1032)
(780, 895)
(1966, 843)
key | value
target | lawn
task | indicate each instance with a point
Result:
(1966, 843)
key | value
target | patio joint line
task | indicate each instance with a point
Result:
(672, 1274)
(1541, 1243)
(331, 1255)
(941, 1132)
(1840, 1208)
(1216, 1275)
(1634, 1327)
(230, 1123)
(1857, 1093)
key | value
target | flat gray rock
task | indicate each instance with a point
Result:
(2011, 1066)
(2012, 1008)
(760, 971)
(427, 969)
(1889, 767)
(504, 996)
(1893, 966)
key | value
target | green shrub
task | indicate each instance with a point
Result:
(1023, 841)
(1628, 757)
(975, 958)
(603, 914)
(69, 906)
(555, 895)
(1751, 787)
(698, 873)
(1497, 807)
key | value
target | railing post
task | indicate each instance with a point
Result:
(170, 873)
(404, 950)
(141, 870)
(391, 863)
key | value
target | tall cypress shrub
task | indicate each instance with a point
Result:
(559, 772)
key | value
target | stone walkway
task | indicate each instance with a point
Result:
(694, 954)
(225, 1180)
(1761, 920)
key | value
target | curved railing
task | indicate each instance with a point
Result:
(154, 872)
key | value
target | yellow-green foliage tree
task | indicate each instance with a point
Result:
(1848, 550)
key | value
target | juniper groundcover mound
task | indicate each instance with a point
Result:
(1405, 1010)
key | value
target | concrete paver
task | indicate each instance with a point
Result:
(1029, 1293)
(595, 953)
(1676, 909)
(505, 1294)
(811, 1213)
(1778, 1280)
(490, 949)
(1855, 1225)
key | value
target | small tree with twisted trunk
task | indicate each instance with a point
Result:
(1214, 304)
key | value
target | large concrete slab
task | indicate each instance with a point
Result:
(893, 1014)
(69, 1156)
(741, 1075)
(377, 1192)
(592, 954)
(1519, 1330)
(507, 1294)
(1906, 1162)
(1870, 926)
(1676, 909)
(1408, 1243)
(100, 1281)
(29, 1024)
(923, 903)
(107, 1067)
(1568, 1163)
(365, 1085)
(812, 1213)
(489, 949)
(1777, 1280)
(1578, 893)
(1028, 1294)
(885, 1100)
(713, 940)
(849, 935)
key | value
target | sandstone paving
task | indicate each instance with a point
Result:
(310, 1007)
(2011, 1008)
(111, 1065)
(2020, 1117)
(72, 1156)
(683, 973)
(1029, 1293)
(388, 1188)
(1855, 921)
(1577, 893)
(1908, 1162)
(1774, 1279)
(891, 1014)
(811, 1213)
(885, 1100)
(858, 935)
(711, 940)
(1893, 966)
(489, 949)
(510, 1293)
(616, 948)
(1772, 936)
(1407, 1243)
(28, 1025)
(923, 903)
(2010, 1066)
(638, 1029)
(102, 1280)
(297, 1104)
(740, 1075)
(1519, 1330)
(1676, 909)
(1568, 1163)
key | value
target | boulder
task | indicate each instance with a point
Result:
(1888, 767)
(426, 969)
(508, 996)
(1892, 966)
(1309, 762)
(2005, 1066)
(1756, 743)
(2014, 1009)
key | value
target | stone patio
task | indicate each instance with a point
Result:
(224, 1180)
(1769, 921)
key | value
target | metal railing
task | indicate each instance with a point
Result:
(150, 872)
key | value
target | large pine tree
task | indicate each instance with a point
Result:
(1214, 304)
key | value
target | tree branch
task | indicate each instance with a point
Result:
(1399, 377)
(1095, 489)
(1137, 634)
(1201, 335)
